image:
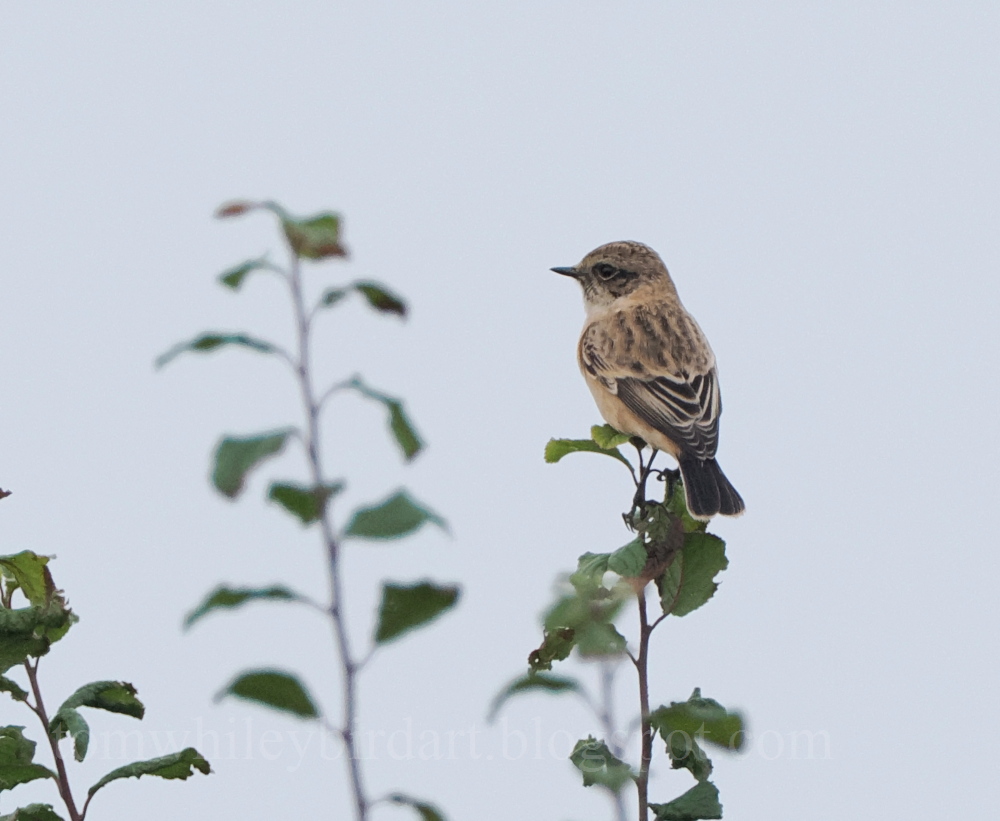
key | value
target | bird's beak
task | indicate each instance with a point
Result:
(566, 272)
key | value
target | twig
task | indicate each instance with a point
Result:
(645, 469)
(63, 779)
(642, 783)
(607, 718)
(366, 658)
(349, 667)
(335, 388)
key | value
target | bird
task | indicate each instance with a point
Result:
(650, 368)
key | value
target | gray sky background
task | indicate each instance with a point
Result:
(821, 179)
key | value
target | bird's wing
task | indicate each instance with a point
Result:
(684, 407)
(685, 410)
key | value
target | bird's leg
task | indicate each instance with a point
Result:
(640, 485)
(671, 477)
(645, 468)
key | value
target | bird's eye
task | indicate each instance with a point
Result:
(605, 271)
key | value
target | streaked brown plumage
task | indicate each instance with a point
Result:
(650, 368)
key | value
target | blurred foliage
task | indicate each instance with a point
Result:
(26, 635)
(310, 501)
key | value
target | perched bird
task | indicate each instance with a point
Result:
(650, 368)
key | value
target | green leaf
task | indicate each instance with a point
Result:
(180, 765)
(533, 682)
(316, 237)
(381, 298)
(556, 645)
(399, 423)
(376, 295)
(556, 449)
(701, 801)
(69, 722)
(305, 503)
(30, 631)
(428, 812)
(590, 598)
(659, 537)
(599, 766)
(113, 696)
(607, 437)
(230, 597)
(235, 457)
(593, 634)
(9, 686)
(689, 580)
(16, 754)
(658, 525)
(629, 561)
(18, 641)
(590, 570)
(331, 296)
(686, 753)
(397, 516)
(588, 610)
(403, 430)
(233, 277)
(33, 812)
(700, 718)
(272, 688)
(29, 572)
(597, 639)
(211, 341)
(406, 607)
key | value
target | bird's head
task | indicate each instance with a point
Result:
(618, 270)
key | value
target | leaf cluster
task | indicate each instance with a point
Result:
(674, 551)
(27, 634)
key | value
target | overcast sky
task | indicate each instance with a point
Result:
(821, 179)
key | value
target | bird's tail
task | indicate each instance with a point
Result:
(707, 489)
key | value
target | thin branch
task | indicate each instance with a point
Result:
(63, 779)
(332, 729)
(592, 705)
(642, 467)
(363, 662)
(607, 719)
(633, 725)
(267, 265)
(337, 387)
(86, 804)
(283, 354)
(349, 667)
(645, 469)
(314, 605)
(642, 783)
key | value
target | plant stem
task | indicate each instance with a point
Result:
(642, 664)
(606, 715)
(645, 468)
(349, 666)
(39, 709)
